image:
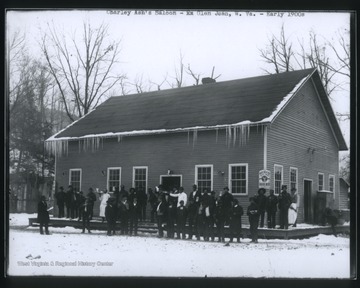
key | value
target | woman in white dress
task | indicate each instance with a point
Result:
(293, 210)
(104, 197)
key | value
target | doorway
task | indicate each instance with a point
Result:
(170, 181)
(308, 202)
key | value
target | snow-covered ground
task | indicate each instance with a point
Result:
(68, 252)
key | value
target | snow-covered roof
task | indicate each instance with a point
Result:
(248, 101)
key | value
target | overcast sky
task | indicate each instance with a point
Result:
(151, 44)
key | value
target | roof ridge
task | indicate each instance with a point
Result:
(215, 83)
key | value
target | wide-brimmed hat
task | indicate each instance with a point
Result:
(262, 189)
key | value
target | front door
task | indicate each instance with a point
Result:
(308, 203)
(170, 182)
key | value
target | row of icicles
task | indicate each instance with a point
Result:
(234, 135)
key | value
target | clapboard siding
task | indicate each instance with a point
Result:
(178, 152)
(301, 127)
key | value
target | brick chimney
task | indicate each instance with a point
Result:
(207, 80)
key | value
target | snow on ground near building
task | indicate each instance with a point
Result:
(68, 252)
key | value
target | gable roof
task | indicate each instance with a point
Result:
(245, 101)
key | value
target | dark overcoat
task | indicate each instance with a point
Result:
(43, 214)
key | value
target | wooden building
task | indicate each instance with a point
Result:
(213, 135)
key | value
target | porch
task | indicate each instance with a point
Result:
(150, 229)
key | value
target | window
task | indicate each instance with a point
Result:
(293, 178)
(320, 181)
(140, 176)
(204, 177)
(113, 178)
(238, 175)
(332, 183)
(75, 179)
(278, 178)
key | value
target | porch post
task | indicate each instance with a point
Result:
(265, 147)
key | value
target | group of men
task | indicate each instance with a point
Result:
(202, 210)
(205, 214)
(74, 202)
(286, 203)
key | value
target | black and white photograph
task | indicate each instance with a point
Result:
(179, 143)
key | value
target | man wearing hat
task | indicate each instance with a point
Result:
(60, 201)
(91, 198)
(224, 212)
(271, 208)
(161, 212)
(193, 206)
(110, 215)
(260, 200)
(253, 214)
(43, 216)
(284, 205)
(85, 213)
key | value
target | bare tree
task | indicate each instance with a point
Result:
(82, 67)
(279, 53)
(195, 76)
(159, 84)
(179, 72)
(17, 67)
(342, 56)
(316, 56)
(282, 56)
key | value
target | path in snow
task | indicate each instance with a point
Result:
(68, 252)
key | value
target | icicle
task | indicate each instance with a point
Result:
(217, 135)
(195, 132)
(230, 136)
(226, 136)
(188, 136)
(234, 138)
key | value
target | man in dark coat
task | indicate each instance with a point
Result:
(253, 213)
(124, 216)
(134, 213)
(68, 196)
(60, 201)
(271, 208)
(43, 216)
(161, 212)
(261, 202)
(91, 198)
(85, 214)
(193, 206)
(70, 202)
(203, 211)
(142, 201)
(224, 212)
(80, 200)
(235, 221)
(110, 215)
(284, 205)
(210, 216)
(153, 200)
(181, 214)
(171, 215)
